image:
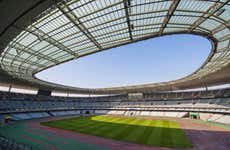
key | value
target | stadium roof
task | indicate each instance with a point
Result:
(40, 34)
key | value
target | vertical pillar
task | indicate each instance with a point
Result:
(10, 87)
(206, 88)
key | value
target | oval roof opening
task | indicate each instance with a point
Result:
(158, 59)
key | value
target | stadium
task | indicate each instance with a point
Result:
(185, 113)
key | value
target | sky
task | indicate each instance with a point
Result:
(155, 60)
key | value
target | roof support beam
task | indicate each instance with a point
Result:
(224, 38)
(43, 36)
(18, 59)
(76, 21)
(127, 4)
(212, 10)
(220, 27)
(171, 10)
(25, 49)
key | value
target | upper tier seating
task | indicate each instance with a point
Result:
(212, 104)
(146, 96)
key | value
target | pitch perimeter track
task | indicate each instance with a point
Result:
(203, 136)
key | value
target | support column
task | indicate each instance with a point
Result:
(10, 87)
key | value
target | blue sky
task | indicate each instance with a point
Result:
(155, 60)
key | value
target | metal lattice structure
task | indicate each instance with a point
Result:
(74, 28)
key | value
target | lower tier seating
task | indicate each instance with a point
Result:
(9, 144)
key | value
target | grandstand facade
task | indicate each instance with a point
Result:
(39, 34)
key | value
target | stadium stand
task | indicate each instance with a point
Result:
(212, 105)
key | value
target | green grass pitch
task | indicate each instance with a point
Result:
(162, 133)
